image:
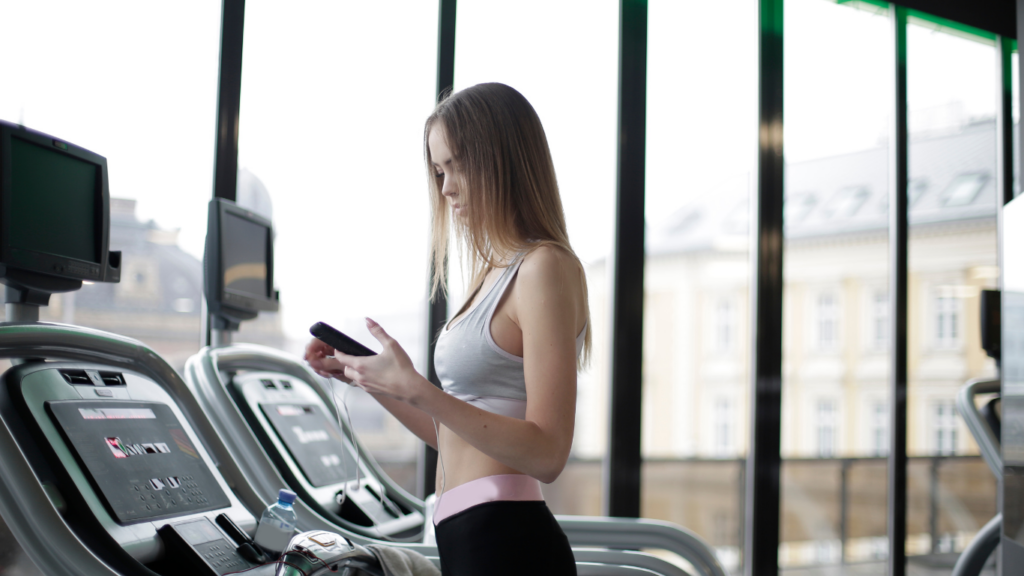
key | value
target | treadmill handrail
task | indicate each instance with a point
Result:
(973, 559)
(76, 343)
(626, 558)
(595, 569)
(635, 533)
(988, 444)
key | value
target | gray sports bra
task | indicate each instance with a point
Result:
(470, 364)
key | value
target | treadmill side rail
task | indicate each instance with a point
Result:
(630, 533)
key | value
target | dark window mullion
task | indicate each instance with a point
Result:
(437, 309)
(898, 267)
(761, 527)
(229, 98)
(1004, 119)
(622, 466)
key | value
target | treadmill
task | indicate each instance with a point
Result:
(104, 466)
(276, 421)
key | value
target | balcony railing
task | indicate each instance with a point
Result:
(833, 509)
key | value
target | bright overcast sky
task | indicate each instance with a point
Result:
(335, 94)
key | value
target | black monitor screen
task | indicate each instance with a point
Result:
(244, 247)
(55, 198)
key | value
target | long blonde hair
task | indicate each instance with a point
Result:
(507, 186)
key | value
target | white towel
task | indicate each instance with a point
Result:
(403, 561)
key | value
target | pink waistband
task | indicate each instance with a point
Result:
(501, 487)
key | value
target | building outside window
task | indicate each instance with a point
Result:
(947, 318)
(828, 321)
(725, 326)
(879, 322)
(723, 427)
(945, 428)
(880, 429)
(826, 428)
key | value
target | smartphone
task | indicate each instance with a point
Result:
(335, 339)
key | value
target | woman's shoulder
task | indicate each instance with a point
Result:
(550, 265)
(550, 258)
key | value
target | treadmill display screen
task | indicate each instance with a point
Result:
(198, 532)
(144, 467)
(116, 413)
(245, 254)
(57, 198)
(314, 442)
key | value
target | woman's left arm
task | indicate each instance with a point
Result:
(548, 293)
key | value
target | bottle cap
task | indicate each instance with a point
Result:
(285, 495)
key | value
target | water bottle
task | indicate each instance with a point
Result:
(277, 525)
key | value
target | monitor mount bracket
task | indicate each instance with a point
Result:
(222, 329)
(25, 292)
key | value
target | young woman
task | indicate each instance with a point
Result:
(508, 359)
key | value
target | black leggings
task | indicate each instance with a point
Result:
(498, 538)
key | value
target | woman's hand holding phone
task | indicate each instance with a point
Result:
(390, 373)
(320, 357)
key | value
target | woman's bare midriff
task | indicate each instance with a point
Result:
(463, 463)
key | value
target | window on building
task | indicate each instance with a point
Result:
(846, 202)
(723, 426)
(964, 189)
(827, 428)
(738, 221)
(918, 187)
(880, 429)
(798, 206)
(725, 325)
(945, 428)
(828, 321)
(947, 321)
(879, 322)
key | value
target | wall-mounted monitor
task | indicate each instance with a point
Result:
(54, 214)
(238, 264)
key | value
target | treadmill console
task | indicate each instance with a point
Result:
(119, 451)
(314, 442)
(139, 457)
(301, 434)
